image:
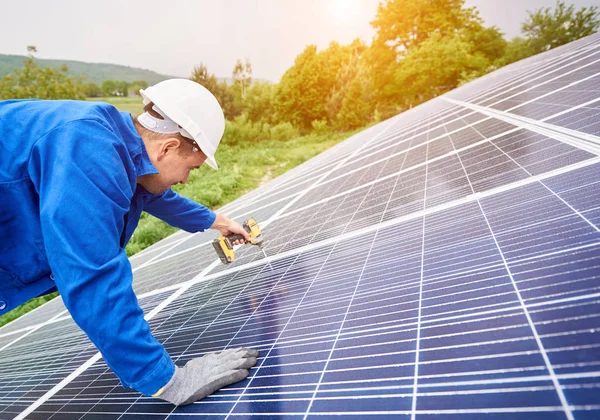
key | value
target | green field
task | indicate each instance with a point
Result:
(242, 168)
(131, 104)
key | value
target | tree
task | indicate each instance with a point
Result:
(242, 76)
(260, 103)
(115, 88)
(222, 92)
(345, 61)
(517, 49)
(403, 26)
(315, 86)
(358, 103)
(136, 85)
(435, 67)
(201, 75)
(303, 89)
(546, 28)
(33, 81)
(489, 42)
(91, 90)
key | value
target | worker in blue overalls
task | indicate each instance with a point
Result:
(74, 179)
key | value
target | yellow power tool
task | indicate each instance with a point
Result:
(224, 244)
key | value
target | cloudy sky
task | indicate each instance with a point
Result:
(171, 36)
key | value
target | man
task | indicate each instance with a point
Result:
(74, 179)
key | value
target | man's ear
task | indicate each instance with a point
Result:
(168, 146)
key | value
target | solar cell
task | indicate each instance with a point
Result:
(444, 263)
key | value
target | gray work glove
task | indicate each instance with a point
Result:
(205, 375)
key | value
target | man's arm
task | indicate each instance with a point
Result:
(79, 173)
(190, 216)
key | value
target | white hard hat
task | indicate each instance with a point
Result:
(190, 106)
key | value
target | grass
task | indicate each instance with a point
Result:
(242, 168)
(131, 104)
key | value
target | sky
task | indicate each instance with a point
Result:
(172, 36)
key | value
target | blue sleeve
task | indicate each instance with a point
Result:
(80, 171)
(180, 212)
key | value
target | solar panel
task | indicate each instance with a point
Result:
(444, 263)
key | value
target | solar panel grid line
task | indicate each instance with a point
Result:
(512, 88)
(504, 95)
(335, 212)
(303, 193)
(401, 171)
(412, 148)
(420, 299)
(580, 119)
(158, 251)
(455, 203)
(91, 361)
(409, 131)
(284, 328)
(567, 58)
(181, 326)
(164, 257)
(307, 169)
(254, 203)
(72, 354)
(576, 138)
(394, 142)
(500, 105)
(502, 88)
(592, 141)
(554, 193)
(439, 297)
(23, 318)
(533, 327)
(31, 331)
(248, 318)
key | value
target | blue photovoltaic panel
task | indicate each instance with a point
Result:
(443, 264)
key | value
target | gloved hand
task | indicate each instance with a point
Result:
(205, 375)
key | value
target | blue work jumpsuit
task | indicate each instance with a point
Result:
(69, 202)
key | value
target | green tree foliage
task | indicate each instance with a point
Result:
(303, 89)
(314, 88)
(115, 88)
(346, 62)
(242, 77)
(488, 42)
(91, 90)
(517, 49)
(358, 104)
(200, 74)
(34, 81)
(435, 67)
(136, 85)
(404, 24)
(260, 103)
(547, 28)
(407, 30)
(222, 91)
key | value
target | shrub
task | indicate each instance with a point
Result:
(284, 131)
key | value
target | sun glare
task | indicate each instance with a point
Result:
(344, 10)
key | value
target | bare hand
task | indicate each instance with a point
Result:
(229, 227)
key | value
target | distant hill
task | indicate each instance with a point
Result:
(95, 72)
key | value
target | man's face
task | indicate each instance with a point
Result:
(173, 165)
